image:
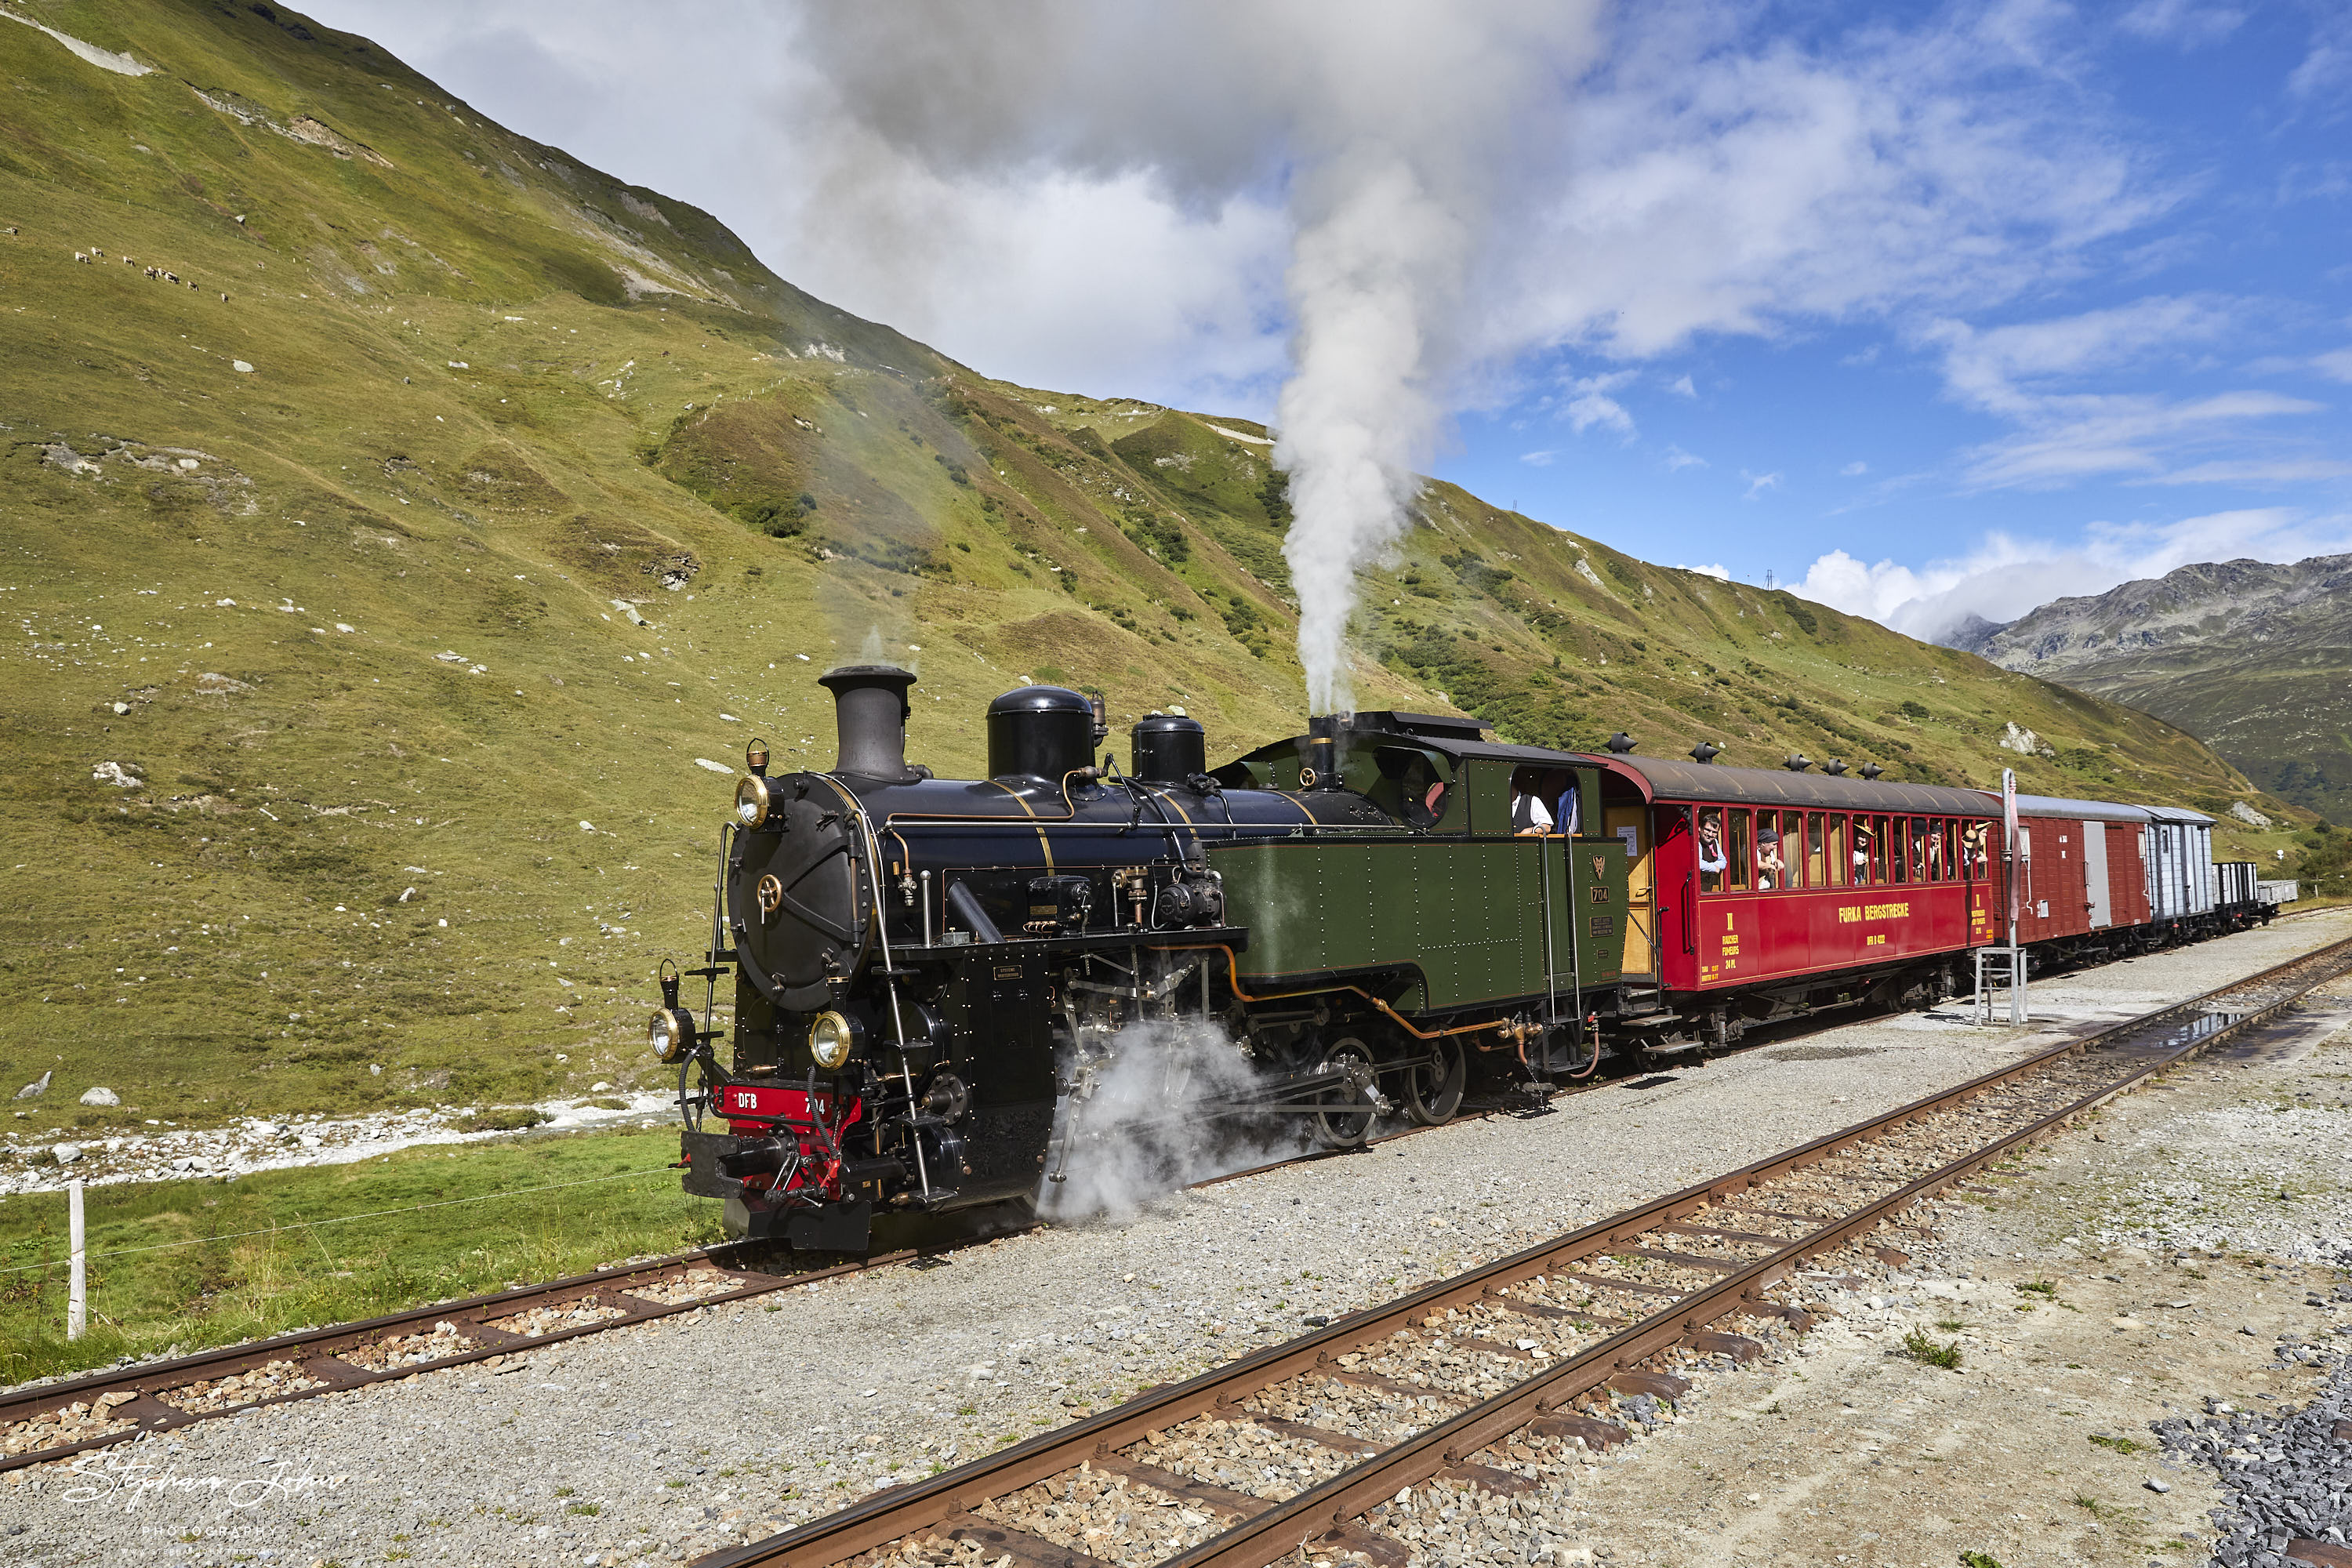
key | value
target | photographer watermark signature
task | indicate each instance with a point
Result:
(121, 1477)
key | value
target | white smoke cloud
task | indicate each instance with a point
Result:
(1144, 1123)
(1386, 142)
(2005, 575)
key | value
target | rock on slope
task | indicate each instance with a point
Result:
(2254, 658)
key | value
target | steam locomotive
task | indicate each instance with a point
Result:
(932, 978)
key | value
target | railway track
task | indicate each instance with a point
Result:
(55, 1421)
(1489, 1380)
(41, 1424)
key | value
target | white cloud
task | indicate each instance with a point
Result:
(2183, 23)
(1726, 183)
(2020, 374)
(2083, 435)
(2326, 65)
(1682, 387)
(2006, 576)
(2336, 364)
(1758, 484)
(1716, 571)
(1589, 403)
(1540, 460)
(1122, 224)
(2254, 472)
(1676, 459)
(1855, 470)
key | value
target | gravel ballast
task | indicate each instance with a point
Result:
(656, 1442)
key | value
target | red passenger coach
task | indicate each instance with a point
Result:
(1774, 892)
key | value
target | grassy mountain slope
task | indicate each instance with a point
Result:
(2255, 657)
(426, 643)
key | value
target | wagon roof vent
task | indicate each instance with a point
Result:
(1835, 767)
(1618, 743)
(1705, 752)
(1796, 762)
(1871, 772)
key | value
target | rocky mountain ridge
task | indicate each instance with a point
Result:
(2252, 656)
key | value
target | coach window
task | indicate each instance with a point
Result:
(1817, 872)
(1839, 869)
(1741, 851)
(1972, 845)
(1878, 847)
(1947, 857)
(1771, 865)
(1899, 849)
(1710, 849)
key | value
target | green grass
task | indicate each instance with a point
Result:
(1978, 1560)
(2045, 1288)
(2119, 1445)
(1919, 1347)
(354, 877)
(300, 1272)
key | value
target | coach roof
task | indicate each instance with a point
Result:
(1663, 780)
(2076, 810)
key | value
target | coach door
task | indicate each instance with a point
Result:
(2095, 875)
(1629, 825)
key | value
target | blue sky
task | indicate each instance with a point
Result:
(1926, 309)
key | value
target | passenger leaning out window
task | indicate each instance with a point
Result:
(1710, 851)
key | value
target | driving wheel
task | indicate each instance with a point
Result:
(1432, 1090)
(1353, 1105)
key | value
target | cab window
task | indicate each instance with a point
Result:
(1413, 785)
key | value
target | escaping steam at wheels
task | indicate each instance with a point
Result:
(1062, 984)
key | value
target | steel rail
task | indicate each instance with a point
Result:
(314, 1352)
(923, 1507)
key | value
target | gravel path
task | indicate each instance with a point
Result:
(654, 1443)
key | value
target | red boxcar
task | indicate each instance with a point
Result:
(1790, 884)
(2081, 869)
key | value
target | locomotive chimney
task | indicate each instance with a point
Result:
(869, 710)
(1322, 759)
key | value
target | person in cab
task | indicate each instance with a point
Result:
(1529, 815)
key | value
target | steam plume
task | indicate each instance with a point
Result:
(1142, 1127)
(1387, 130)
